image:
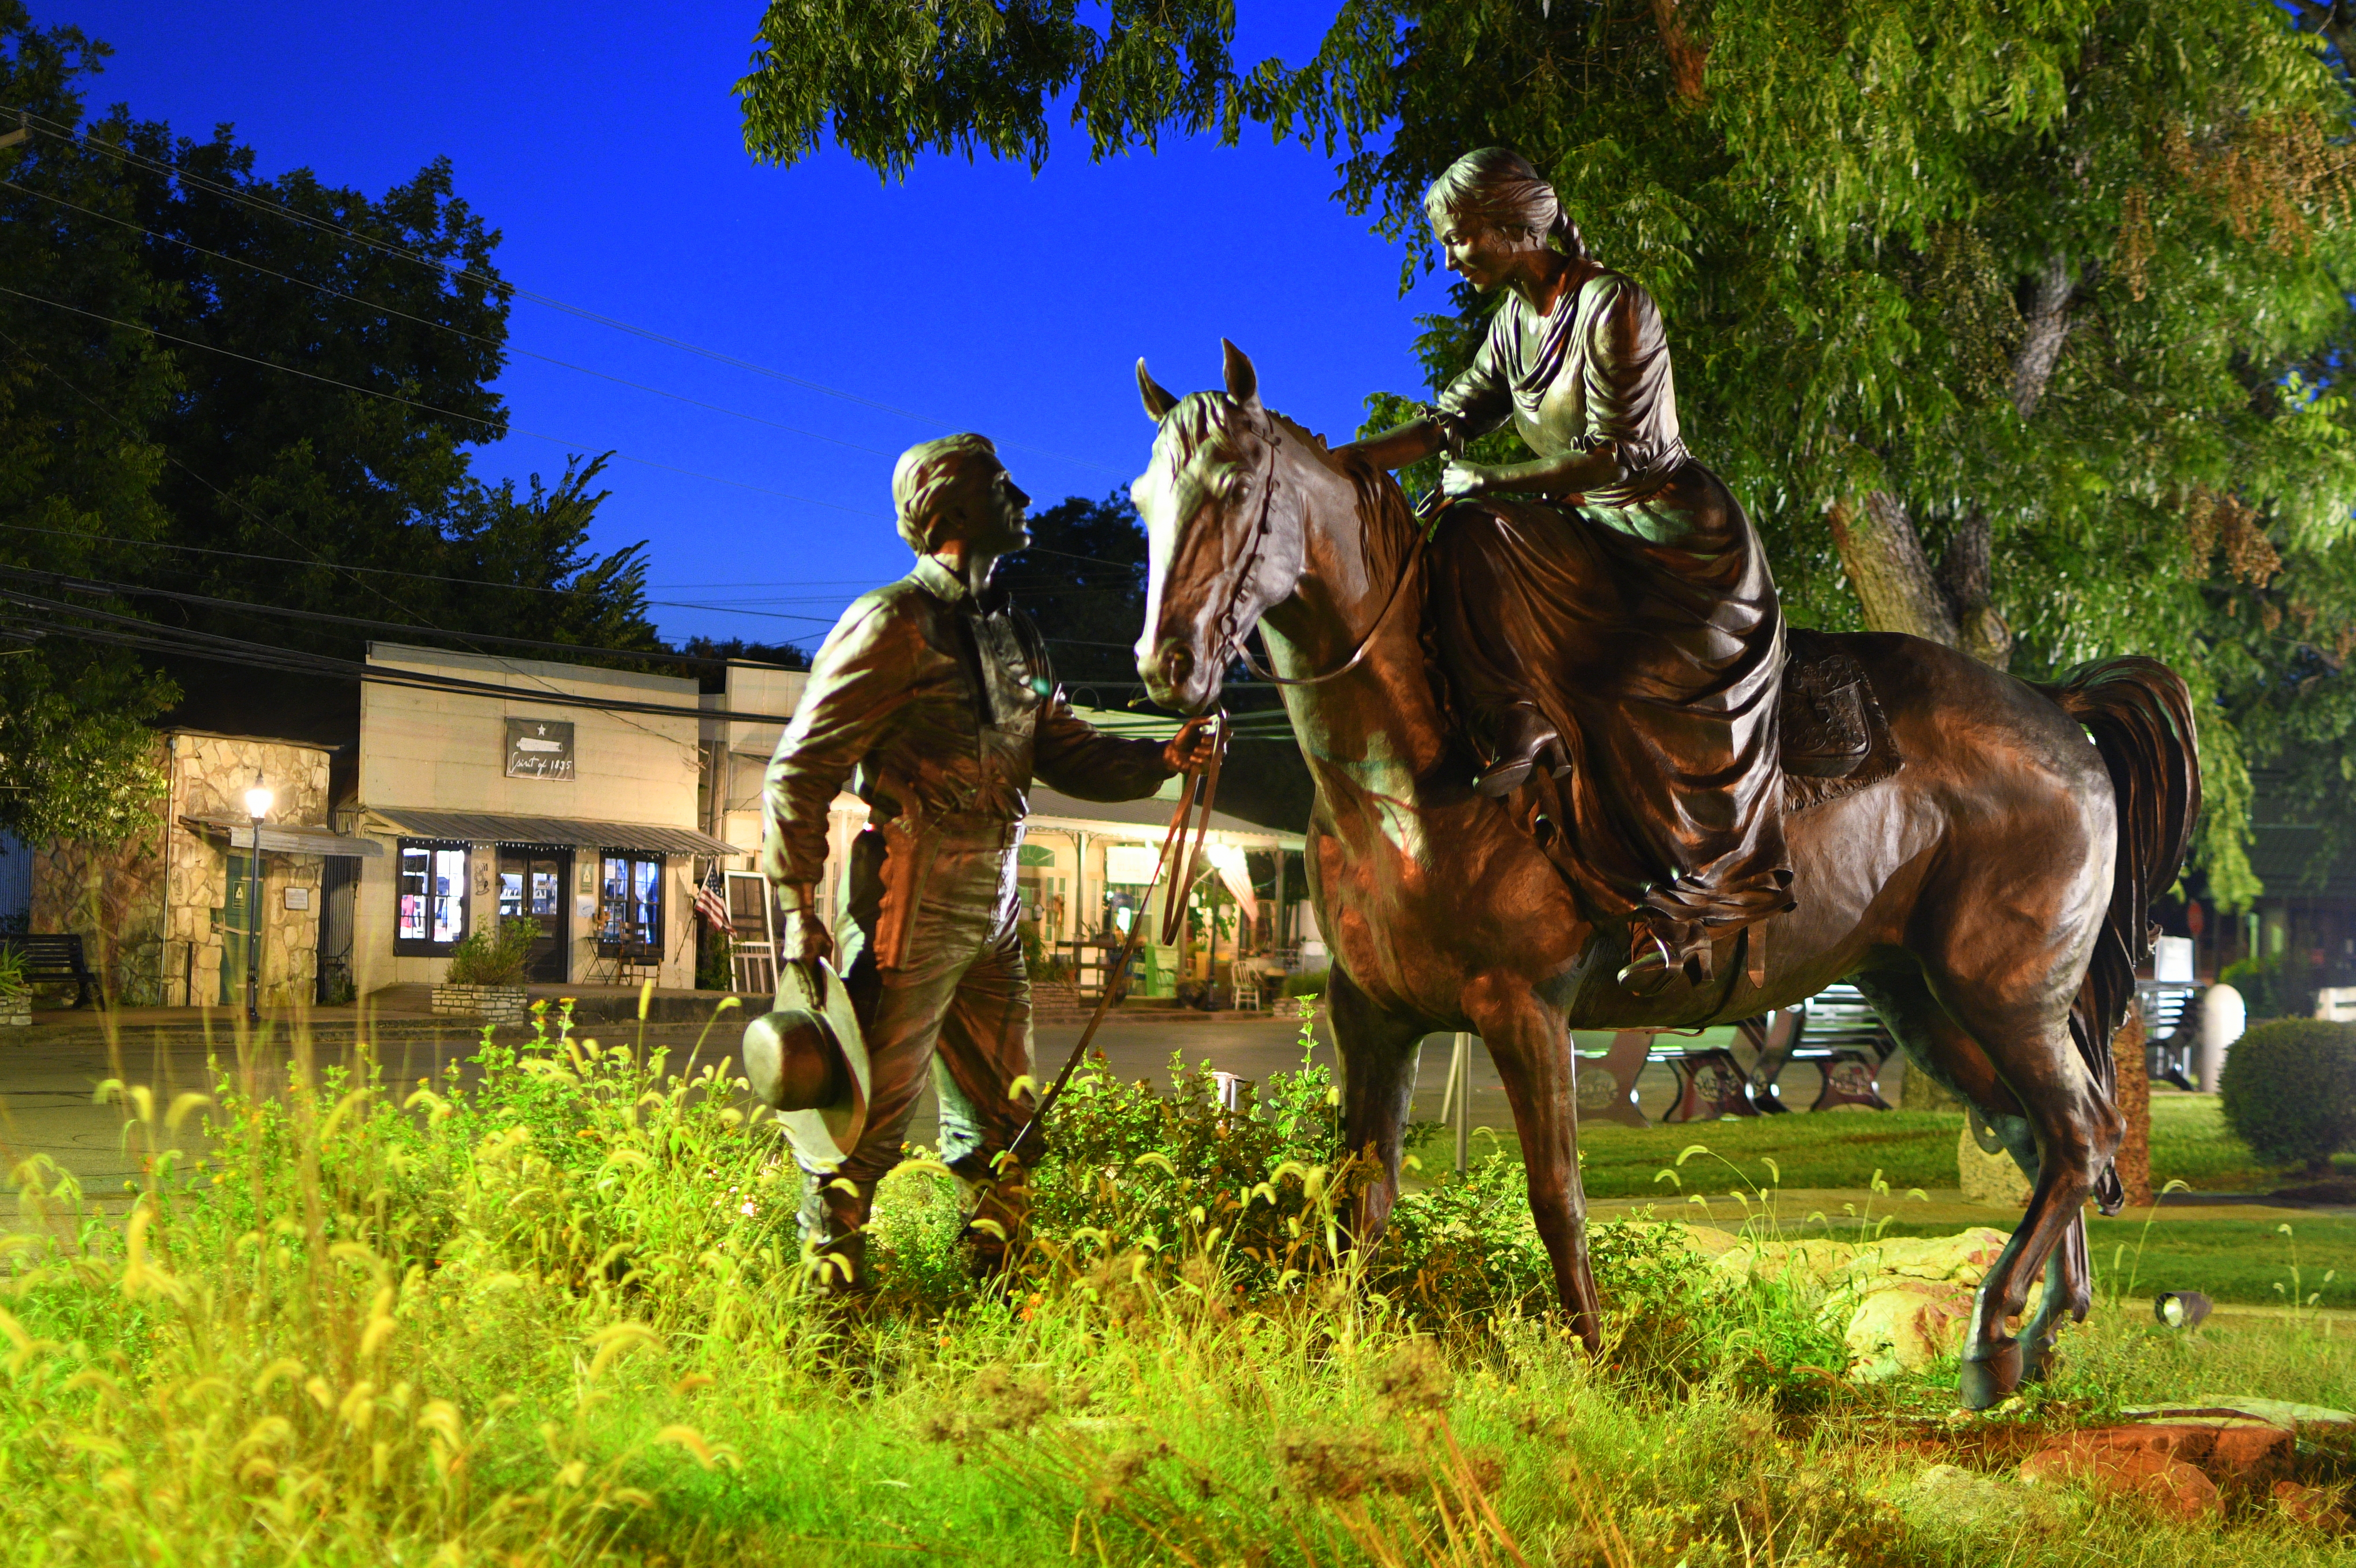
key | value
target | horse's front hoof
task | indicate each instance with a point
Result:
(2036, 1362)
(1990, 1379)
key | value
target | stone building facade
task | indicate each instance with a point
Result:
(156, 913)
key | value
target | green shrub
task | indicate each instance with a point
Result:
(1308, 983)
(715, 968)
(12, 973)
(494, 955)
(2288, 1091)
(2276, 986)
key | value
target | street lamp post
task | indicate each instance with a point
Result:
(257, 805)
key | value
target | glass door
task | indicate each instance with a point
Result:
(532, 883)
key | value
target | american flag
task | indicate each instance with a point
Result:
(711, 901)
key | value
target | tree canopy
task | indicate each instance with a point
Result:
(2015, 326)
(250, 391)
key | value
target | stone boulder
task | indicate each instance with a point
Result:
(2184, 1462)
(1950, 1497)
(1901, 1302)
(2174, 1486)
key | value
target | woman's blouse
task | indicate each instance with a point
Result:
(1597, 372)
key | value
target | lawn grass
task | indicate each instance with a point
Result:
(1840, 1149)
(558, 1317)
(2190, 1143)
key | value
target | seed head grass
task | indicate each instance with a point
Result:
(552, 1309)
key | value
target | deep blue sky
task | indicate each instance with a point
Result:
(603, 142)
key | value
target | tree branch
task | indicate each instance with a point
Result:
(2045, 314)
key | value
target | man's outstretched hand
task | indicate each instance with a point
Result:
(1193, 747)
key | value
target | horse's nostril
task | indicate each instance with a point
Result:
(1177, 663)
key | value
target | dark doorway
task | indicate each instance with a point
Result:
(340, 878)
(535, 882)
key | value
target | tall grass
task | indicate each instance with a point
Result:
(553, 1310)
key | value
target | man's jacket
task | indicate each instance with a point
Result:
(939, 709)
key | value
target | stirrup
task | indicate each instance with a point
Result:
(1662, 950)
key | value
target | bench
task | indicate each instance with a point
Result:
(1838, 1029)
(52, 959)
(2172, 1030)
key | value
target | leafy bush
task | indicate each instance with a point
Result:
(494, 955)
(12, 973)
(2288, 1091)
(2278, 985)
(1308, 983)
(715, 968)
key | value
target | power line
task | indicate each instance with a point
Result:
(125, 631)
(66, 582)
(501, 426)
(117, 420)
(504, 347)
(56, 130)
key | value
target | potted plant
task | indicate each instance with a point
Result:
(16, 991)
(485, 976)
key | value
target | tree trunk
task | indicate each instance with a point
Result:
(1889, 570)
(2132, 1097)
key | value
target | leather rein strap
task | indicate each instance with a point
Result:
(1243, 582)
(1201, 789)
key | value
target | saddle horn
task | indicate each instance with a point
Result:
(1158, 401)
(1243, 380)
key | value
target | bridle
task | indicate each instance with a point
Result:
(1234, 641)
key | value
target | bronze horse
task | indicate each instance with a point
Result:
(1989, 897)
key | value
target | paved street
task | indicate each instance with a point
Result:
(47, 1080)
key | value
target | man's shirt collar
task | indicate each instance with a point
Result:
(950, 589)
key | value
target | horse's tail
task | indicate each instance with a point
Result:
(2140, 716)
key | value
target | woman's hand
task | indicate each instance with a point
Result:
(1462, 481)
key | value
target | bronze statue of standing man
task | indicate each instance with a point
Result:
(935, 699)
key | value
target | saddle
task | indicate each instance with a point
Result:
(1835, 737)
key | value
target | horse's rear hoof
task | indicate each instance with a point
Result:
(1992, 1379)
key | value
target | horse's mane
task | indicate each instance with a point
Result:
(1207, 422)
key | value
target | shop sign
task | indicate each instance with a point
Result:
(540, 749)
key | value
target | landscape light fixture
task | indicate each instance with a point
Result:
(257, 806)
(2181, 1309)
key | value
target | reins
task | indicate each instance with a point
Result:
(1201, 789)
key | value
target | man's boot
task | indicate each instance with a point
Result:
(1526, 740)
(834, 1222)
(1001, 1206)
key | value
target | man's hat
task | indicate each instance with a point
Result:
(808, 1061)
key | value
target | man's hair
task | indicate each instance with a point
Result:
(922, 479)
(1495, 187)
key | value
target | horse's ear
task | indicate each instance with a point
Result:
(1157, 402)
(1243, 381)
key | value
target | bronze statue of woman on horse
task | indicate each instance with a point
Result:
(1605, 611)
(1625, 770)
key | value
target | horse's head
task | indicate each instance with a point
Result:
(1220, 549)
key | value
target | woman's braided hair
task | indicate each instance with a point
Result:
(1497, 188)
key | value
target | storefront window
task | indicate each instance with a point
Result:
(630, 904)
(432, 915)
